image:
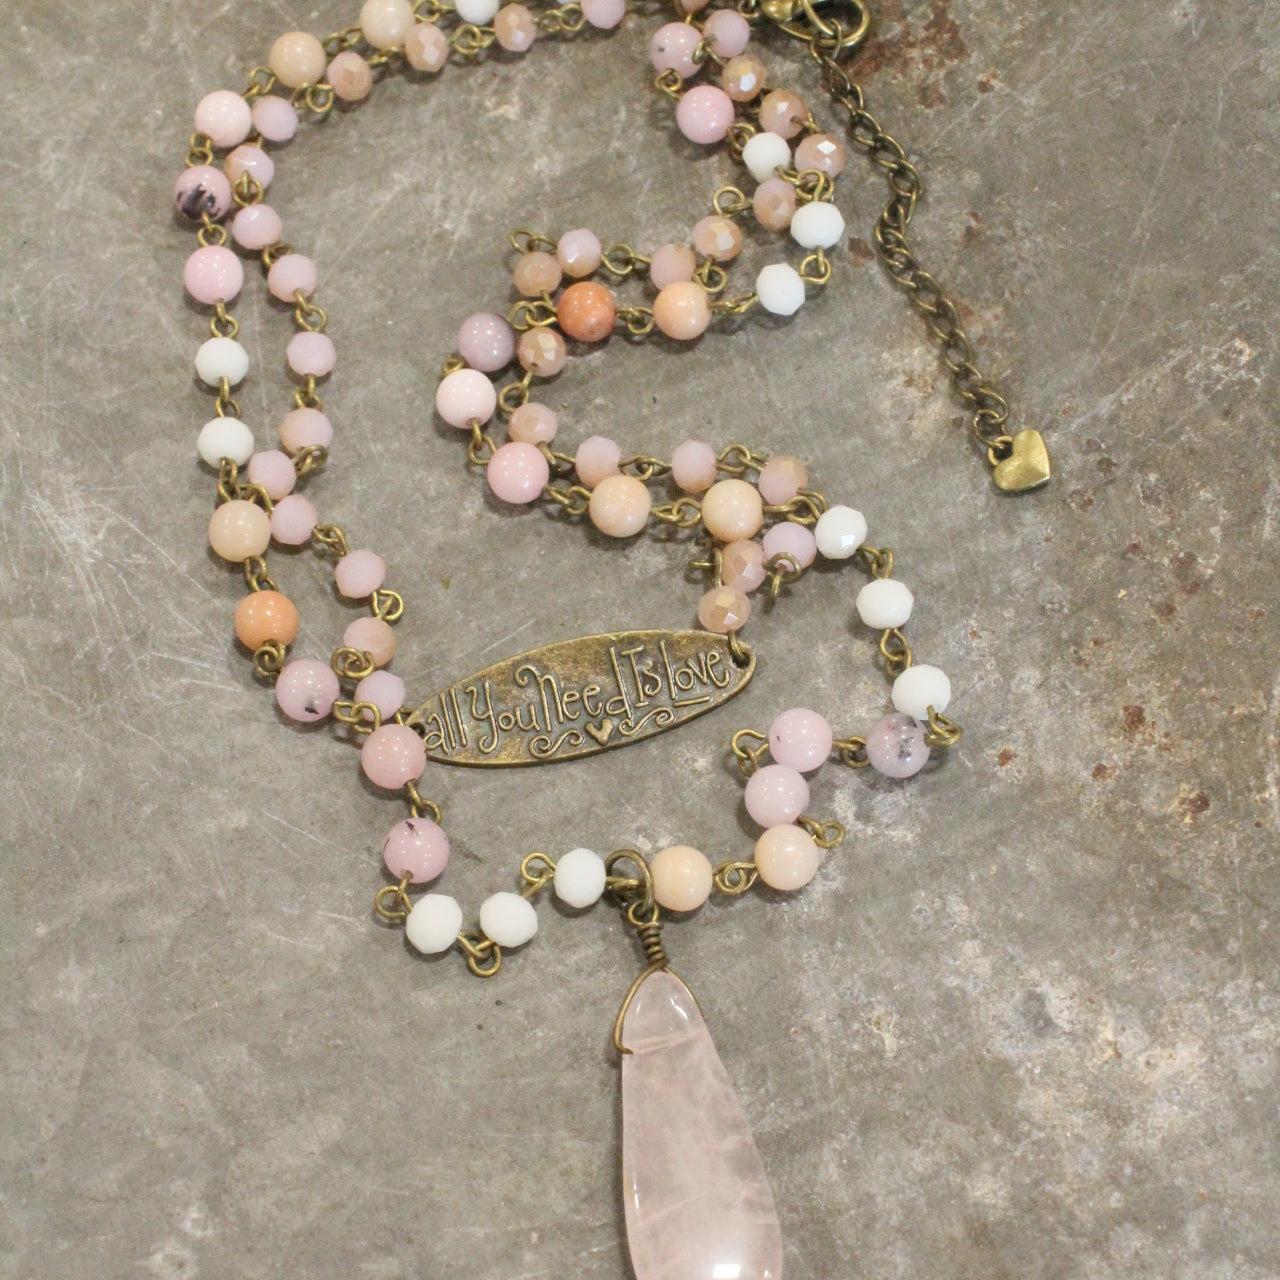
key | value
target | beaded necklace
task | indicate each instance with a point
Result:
(698, 1204)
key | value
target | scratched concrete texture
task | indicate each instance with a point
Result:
(1023, 1024)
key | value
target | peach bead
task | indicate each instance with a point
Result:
(596, 459)
(579, 252)
(262, 616)
(619, 506)
(774, 204)
(743, 77)
(671, 264)
(297, 58)
(536, 273)
(781, 478)
(426, 47)
(823, 152)
(742, 565)
(541, 350)
(372, 636)
(681, 311)
(532, 423)
(351, 76)
(693, 466)
(732, 509)
(586, 311)
(518, 472)
(239, 529)
(514, 28)
(386, 23)
(681, 878)
(724, 609)
(305, 429)
(718, 238)
(786, 857)
(783, 112)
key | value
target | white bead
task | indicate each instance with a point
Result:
(222, 358)
(579, 879)
(780, 289)
(840, 531)
(764, 153)
(920, 687)
(817, 225)
(478, 12)
(884, 603)
(225, 438)
(508, 919)
(434, 923)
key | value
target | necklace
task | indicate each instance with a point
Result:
(698, 1204)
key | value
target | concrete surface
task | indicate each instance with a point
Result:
(1024, 1024)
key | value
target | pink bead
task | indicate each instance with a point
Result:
(213, 274)
(292, 520)
(597, 457)
(393, 755)
(360, 573)
(224, 118)
(672, 46)
(310, 355)
(384, 690)
(350, 75)
(896, 747)
(486, 342)
(532, 423)
(579, 252)
(274, 471)
(781, 478)
(705, 114)
(693, 466)
(775, 795)
(672, 264)
(201, 190)
(305, 429)
(306, 690)
(252, 160)
(727, 32)
(374, 637)
(604, 15)
(274, 118)
(426, 47)
(256, 226)
(292, 273)
(466, 395)
(743, 565)
(416, 848)
(791, 539)
(800, 739)
(518, 472)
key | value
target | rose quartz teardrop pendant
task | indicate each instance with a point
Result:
(698, 1204)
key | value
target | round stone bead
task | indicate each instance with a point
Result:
(604, 15)
(296, 58)
(781, 478)
(705, 114)
(265, 615)
(274, 118)
(681, 878)
(305, 429)
(384, 690)
(426, 47)
(732, 509)
(840, 531)
(681, 311)
(225, 438)
(541, 351)
(774, 204)
(727, 33)
(619, 506)
(201, 190)
(290, 274)
(823, 152)
(742, 565)
(466, 395)
(672, 46)
(579, 878)
(306, 690)
(292, 520)
(693, 466)
(517, 473)
(896, 747)
(273, 470)
(884, 603)
(783, 112)
(359, 573)
(587, 311)
(818, 225)
(256, 227)
(514, 28)
(478, 12)
(213, 274)
(787, 538)
(385, 23)
(219, 358)
(776, 794)
(536, 273)
(671, 264)
(417, 848)
(920, 687)
(718, 238)
(486, 342)
(786, 857)
(743, 77)
(780, 289)
(801, 739)
(238, 530)
(393, 755)
(508, 919)
(724, 610)
(579, 252)
(533, 423)
(224, 118)
(433, 924)
(596, 459)
(351, 76)
(765, 153)
(372, 636)
(311, 355)
(252, 160)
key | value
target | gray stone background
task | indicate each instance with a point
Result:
(1024, 1023)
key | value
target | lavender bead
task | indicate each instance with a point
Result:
(213, 274)
(306, 690)
(292, 520)
(310, 355)
(800, 739)
(416, 848)
(274, 118)
(385, 690)
(290, 274)
(201, 190)
(360, 573)
(776, 794)
(486, 342)
(896, 747)
(256, 226)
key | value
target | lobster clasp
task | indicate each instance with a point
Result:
(835, 26)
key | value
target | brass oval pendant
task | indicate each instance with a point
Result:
(581, 696)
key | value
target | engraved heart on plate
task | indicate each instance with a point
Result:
(601, 732)
(1026, 467)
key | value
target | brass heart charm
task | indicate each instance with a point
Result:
(602, 732)
(1027, 467)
